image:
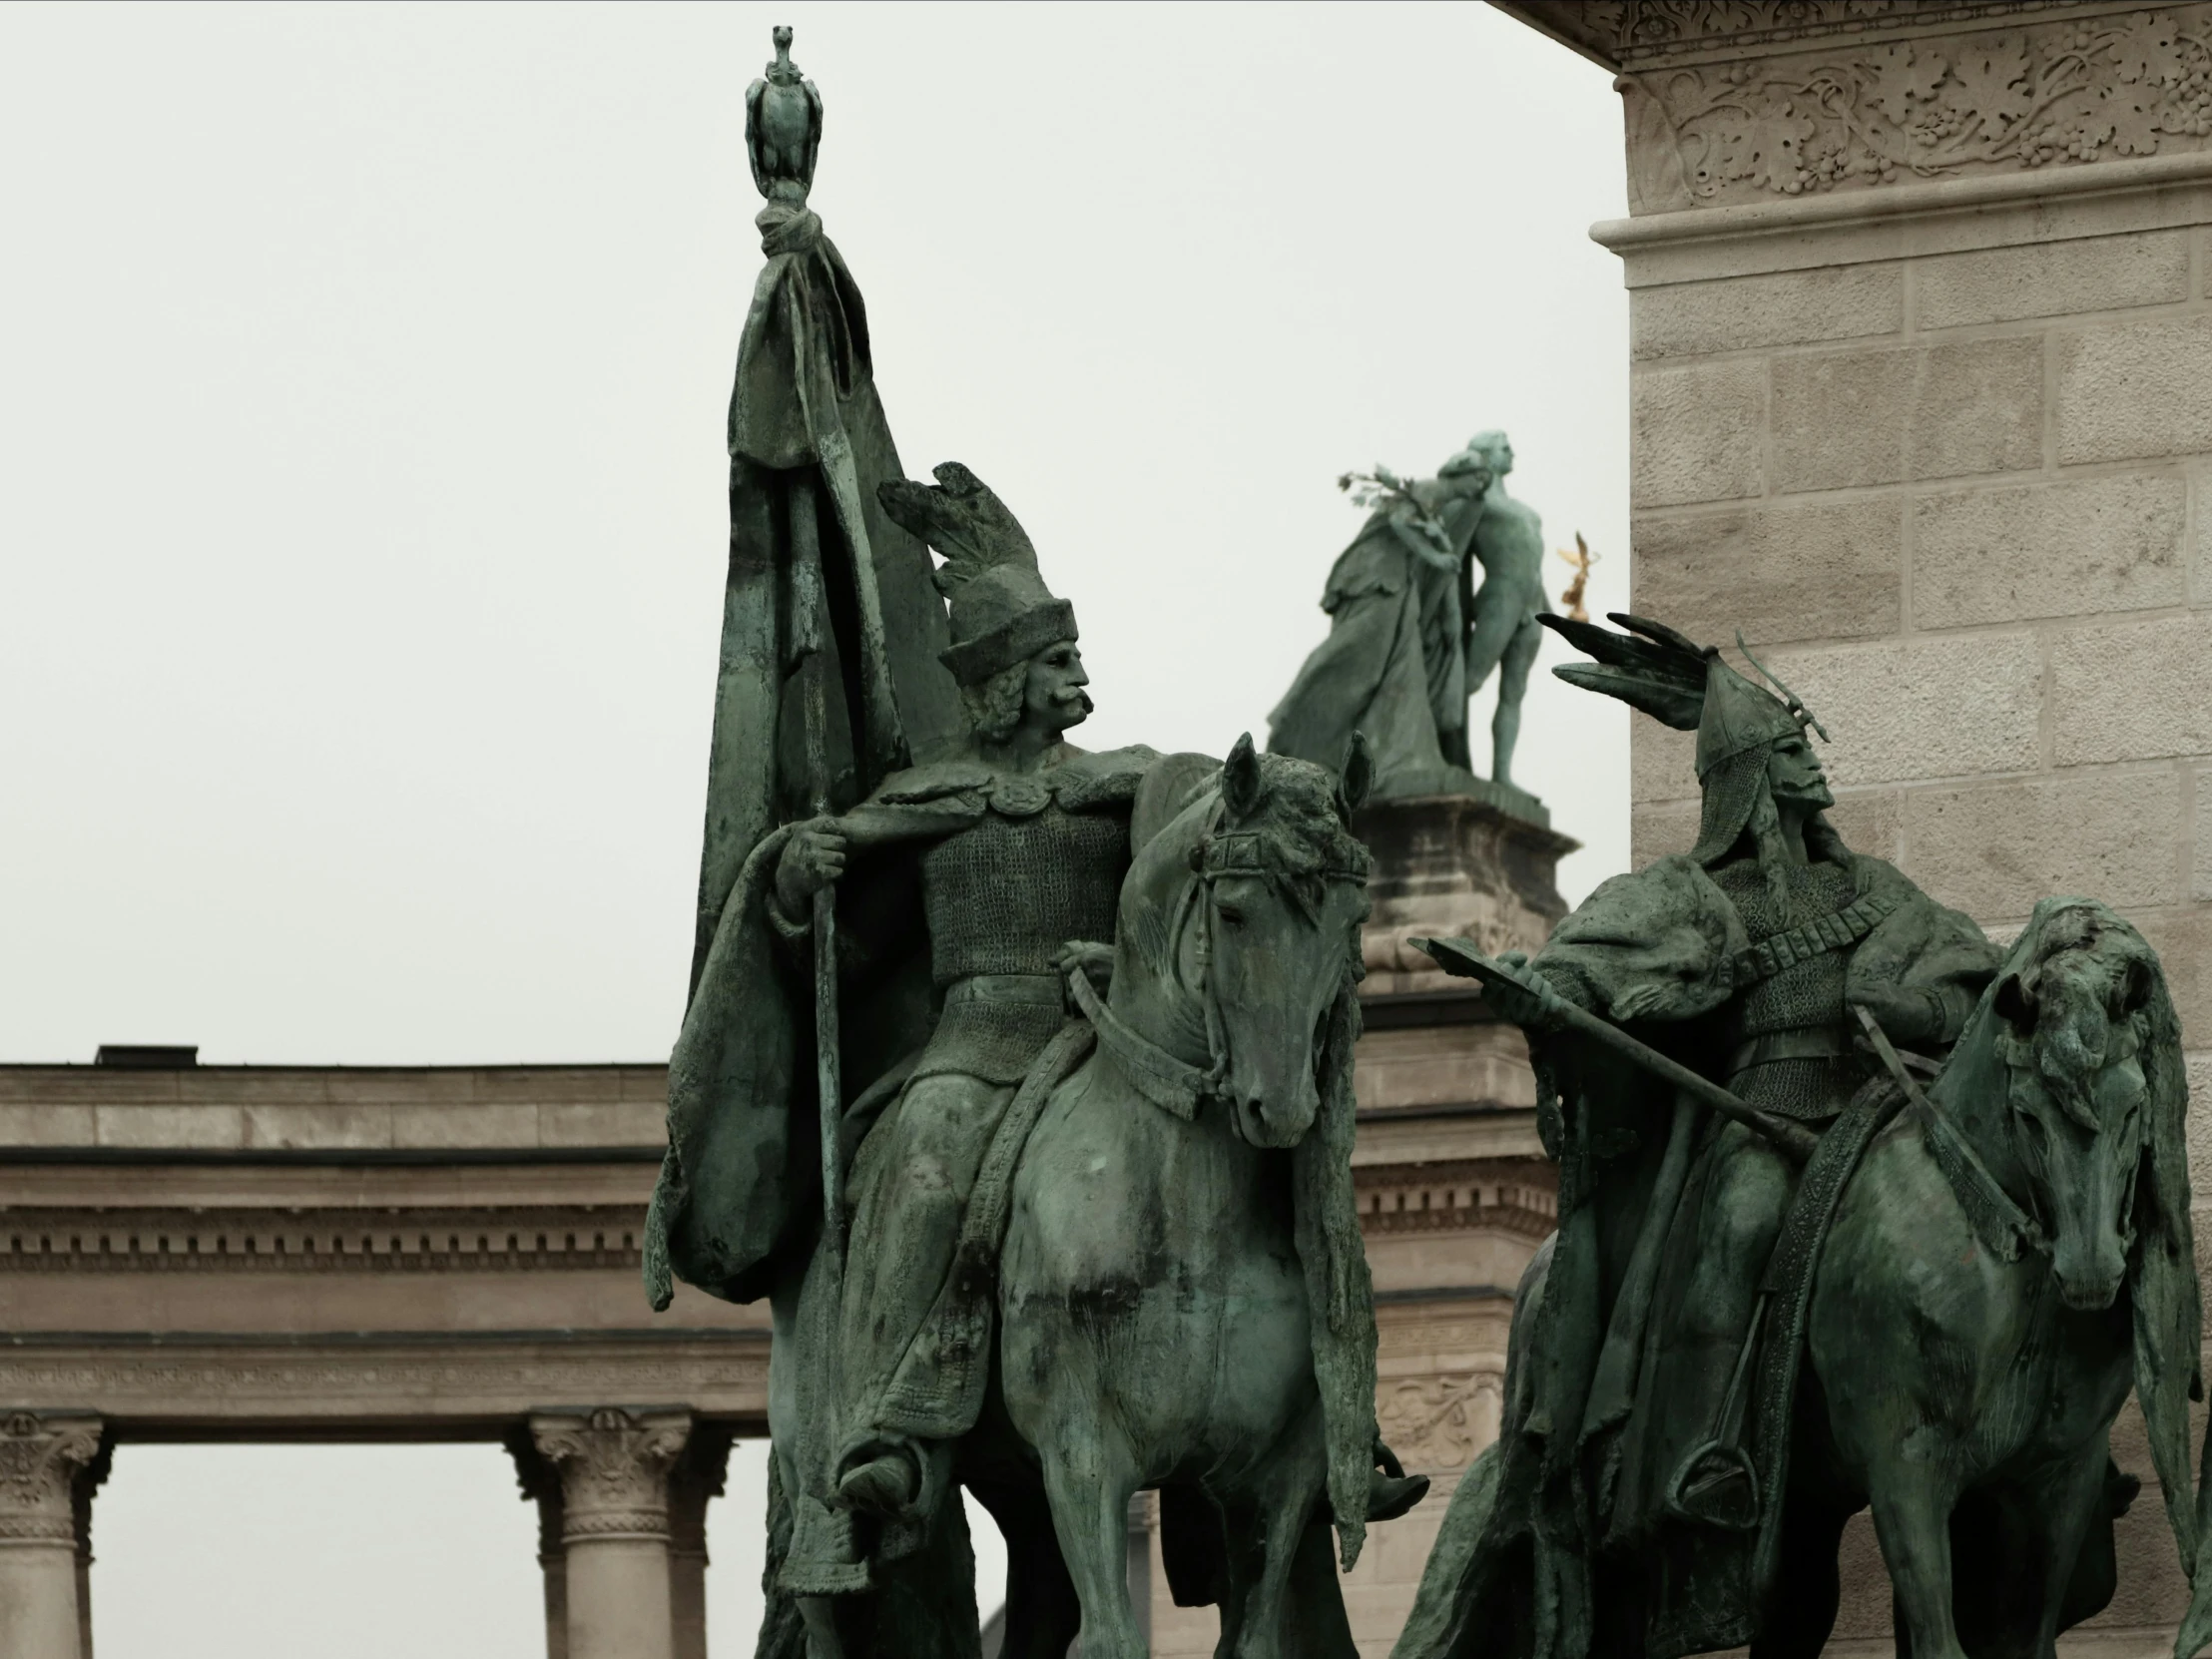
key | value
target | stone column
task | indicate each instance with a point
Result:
(88, 1481)
(695, 1481)
(613, 1466)
(40, 1459)
(541, 1486)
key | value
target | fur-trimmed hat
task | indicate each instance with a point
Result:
(1003, 612)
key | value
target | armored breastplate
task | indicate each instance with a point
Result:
(1792, 1050)
(1005, 895)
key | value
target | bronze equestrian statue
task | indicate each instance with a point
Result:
(1853, 1209)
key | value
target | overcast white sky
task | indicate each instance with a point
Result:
(362, 373)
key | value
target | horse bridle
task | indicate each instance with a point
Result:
(1177, 1086)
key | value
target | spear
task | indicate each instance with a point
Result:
(1792, 1140)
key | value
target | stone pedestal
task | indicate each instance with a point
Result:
(1455, 1191)
(613, 1466)
(42, 1609)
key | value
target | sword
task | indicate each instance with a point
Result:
(1792, 1140)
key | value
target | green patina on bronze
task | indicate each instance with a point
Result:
(1831, 1274)
(1413, 636)
(1016, 1078)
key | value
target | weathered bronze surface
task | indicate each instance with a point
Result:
(1413, 636)
(1975, 1247)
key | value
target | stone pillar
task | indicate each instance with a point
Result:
(613, 1466)
(541, 1486)
(87, 1481)
(40, 1459)
(695, 1481)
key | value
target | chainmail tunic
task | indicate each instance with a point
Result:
(1807, 997)
(1002, 899)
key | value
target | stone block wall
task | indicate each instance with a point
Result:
(1942, 450)
(1968, 515)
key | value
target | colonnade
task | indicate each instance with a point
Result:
(622, 1497)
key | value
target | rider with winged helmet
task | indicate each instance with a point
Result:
(1744, 959)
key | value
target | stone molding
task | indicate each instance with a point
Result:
(40, 1460)
(256, 1241)
(614, 1467)
(1658, 34)
(1514, 1195)
(408, 1380)
(2155, 192)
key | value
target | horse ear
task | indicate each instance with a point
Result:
(1240, 779)
(1358, 778)
(2014, 1006)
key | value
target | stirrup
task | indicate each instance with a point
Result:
(1716, 1485)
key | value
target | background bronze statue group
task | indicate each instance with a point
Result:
(1019, 1079)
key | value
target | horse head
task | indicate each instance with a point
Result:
(2071, 1002)
(1282, 896)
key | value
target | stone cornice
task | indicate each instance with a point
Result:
(2110, 198)
(1657, 34)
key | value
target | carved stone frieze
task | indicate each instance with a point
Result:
(40, 1459)
(1879, 108)
(1439, 1422)
(614, 1469)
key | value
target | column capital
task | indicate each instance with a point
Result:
(40, 1460)
(614, 1468)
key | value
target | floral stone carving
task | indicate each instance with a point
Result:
(614, 1469)
(2083, 90)
(38, 1462)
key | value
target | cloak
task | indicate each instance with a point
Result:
(1394, 664)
